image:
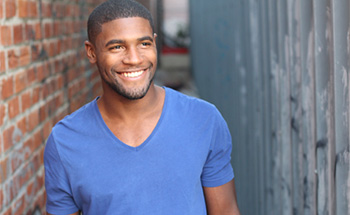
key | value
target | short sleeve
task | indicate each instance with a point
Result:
(217, 169)
(59, 197)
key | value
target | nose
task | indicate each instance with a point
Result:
(132, 57)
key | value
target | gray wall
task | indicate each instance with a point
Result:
(278, 70)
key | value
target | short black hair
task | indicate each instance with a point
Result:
(115, 9)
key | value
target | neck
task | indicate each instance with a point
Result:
(115, 106)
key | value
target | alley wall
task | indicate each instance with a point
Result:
(44, 75)
(279, 72)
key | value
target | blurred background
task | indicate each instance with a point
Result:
(278, 70)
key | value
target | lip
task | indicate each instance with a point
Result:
(134, 74)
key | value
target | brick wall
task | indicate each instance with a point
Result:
(44, 75)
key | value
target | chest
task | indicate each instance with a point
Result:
(161, 171)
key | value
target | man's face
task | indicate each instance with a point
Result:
(126, 56)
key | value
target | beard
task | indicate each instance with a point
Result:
(129, 93)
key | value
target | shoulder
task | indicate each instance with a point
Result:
(78, 120)
(190, 104)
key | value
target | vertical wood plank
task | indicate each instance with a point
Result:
(284, 105)
(275, 111)
(341, 44)
(324, 106)
(295, 104)
(308, 107)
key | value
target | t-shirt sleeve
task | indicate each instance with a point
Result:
(217, 169)
(59, 196)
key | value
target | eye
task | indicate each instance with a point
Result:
(146, 44)
(116, 47)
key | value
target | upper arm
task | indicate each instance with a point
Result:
(58, 192)
(221, 200)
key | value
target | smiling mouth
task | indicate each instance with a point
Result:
(134, 74)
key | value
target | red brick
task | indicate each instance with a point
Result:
(20, 81)
(33, 120)
(33, 8)
(6, 35)
(7, 87)
(36, 95)
(42, 72)
(31, 77)
(13, 58)
(47, 129)
(17, 34)
(2, 114)
(10, 8)
(43, 113)
(46, 9)
(1, 9)
(2, 62)
(26, 100)
(22, 8)
(36, 51)
(8, 141)
(3, 175)
(38, 32)
(48, 31)
(25, 56)
(38, 140)
(13, 107)
(57, 28)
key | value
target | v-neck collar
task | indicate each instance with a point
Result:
(116, 139)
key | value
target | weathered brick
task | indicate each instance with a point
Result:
(13, 56)
(23, 8)
(46, 9)
(26, 100)
(33, 31)
(20, 81)
(36, 95)
(8, 138)
(3, 174)
(33, 8)
(42, 72)
(13, 107)
(6, 35)
(17, 34)
(2, 114)
(33, 120)
(31, 76)
(25, 57)
(7, 87)
(2, 62)
(22, 125)
(10, 8)
(48, 30)
(1, 11)
(47, 129)
(34, 77)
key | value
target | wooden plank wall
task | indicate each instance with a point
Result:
(278, 70)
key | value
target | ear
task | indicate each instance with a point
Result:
(90, 51)
(155, 38)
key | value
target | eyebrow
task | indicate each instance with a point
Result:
(114, 41)
(123, 41)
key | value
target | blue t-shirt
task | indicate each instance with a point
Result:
(88, 168)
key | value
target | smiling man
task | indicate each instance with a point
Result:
(139, 148)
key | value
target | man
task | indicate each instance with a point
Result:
(139, 148)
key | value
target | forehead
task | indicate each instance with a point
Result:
(125, 28)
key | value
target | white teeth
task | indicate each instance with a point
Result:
(133, 74)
